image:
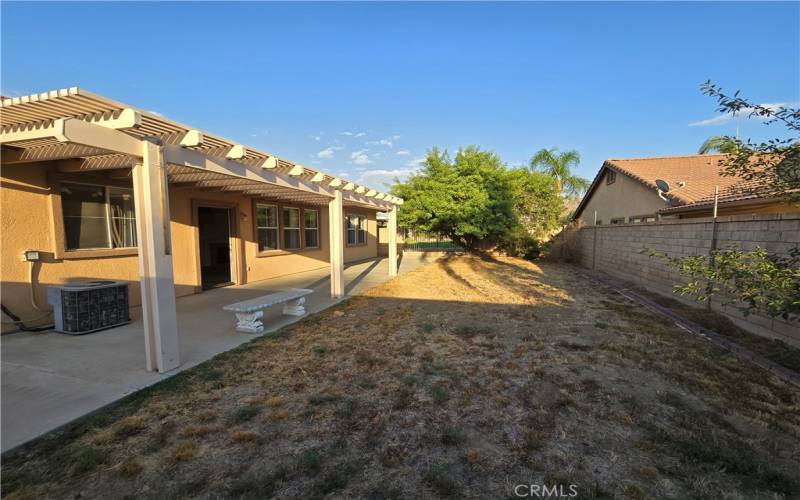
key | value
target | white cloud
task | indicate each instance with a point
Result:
(415, 162)
(360, 157)
(379, 178)
(354, 134)
(155, 113)
(389, 141)
(744, 113)
(347, 133)
(360, 134)
(326, 153)
(403, 152)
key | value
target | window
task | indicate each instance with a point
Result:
(311, 228)
(97, 217)
(611, 176)
(291, 228)
(267, 227)
(643, 218)
(356, 230)
(618, 220)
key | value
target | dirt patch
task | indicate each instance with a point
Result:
(462, 378)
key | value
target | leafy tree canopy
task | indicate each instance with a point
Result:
(475, 200)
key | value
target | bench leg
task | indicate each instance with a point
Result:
(249, 322)
(295, 307)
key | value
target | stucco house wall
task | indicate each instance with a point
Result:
(28, 222)
(625, 197)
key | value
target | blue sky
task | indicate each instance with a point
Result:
(362, 90)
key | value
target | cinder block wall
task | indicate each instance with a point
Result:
(616, 251)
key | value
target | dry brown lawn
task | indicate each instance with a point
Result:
(463, 378)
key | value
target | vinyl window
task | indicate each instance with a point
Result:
(267, 227)
(97, 217)
(356, 230)
(291, 228)
(311, 228)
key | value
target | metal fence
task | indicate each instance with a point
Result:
(418, 241)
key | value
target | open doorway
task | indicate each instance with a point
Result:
(214, 226)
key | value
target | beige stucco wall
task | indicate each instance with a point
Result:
(26, 224)
(624, 198)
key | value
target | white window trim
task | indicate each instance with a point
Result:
(276, 228)
(299, 228)
(316, 229)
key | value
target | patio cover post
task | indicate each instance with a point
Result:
(151, 201)
(393, 241)
(336, 228)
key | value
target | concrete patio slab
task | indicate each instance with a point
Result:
(50, 379)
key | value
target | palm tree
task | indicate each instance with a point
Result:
(559, 166)
(719, 144)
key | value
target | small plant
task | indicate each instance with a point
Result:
(183, 452)
(86, 458)
(130, 468)
(321, 399)
(440, 479)
(309, 461)
(130, 426)
(439, 394)
(450, 436)
(427, 327)
(321, 350)
(243, 413)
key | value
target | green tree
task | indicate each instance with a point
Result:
(560, 165)
(537, 204)
(468, 200)
(718, 144)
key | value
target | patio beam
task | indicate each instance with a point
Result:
(336, 230)
(75, 131)
(157, 284)
(203, 162)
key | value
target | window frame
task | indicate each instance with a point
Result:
(281, 250)
(305, 228)
(299, 228)
(618, 220)
(56, 183)
(277, 228)
(363, 219)
(611, 177)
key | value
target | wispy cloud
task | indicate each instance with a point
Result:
(744, 113)
(152, 112)
(383, 178)
(326, 153)
(382, 142)
(360, 157)
(403, 152)
(354, 134)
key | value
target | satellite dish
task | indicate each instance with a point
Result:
(662, 185)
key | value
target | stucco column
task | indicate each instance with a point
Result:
(157, 285)
(392, 230)
(336, 229)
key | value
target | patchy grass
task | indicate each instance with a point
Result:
(773, 349)
(462, 378)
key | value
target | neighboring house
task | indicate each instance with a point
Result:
(625, 191)
(102, 190)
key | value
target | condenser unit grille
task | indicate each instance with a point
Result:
(86, 307)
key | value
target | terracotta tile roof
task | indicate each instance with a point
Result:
(700, 173)
(738, 192)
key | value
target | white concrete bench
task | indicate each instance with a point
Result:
(250, 312)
